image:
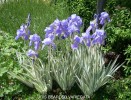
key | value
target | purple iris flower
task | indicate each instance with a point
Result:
(54, 29)
(87, 34)
(77, 41)
(32, 53)
(98, 37)
(64, 24)
(57, 27)
(87, 37)
(72, 28)
(61, 28)
(76, 19)
(74, 46)
(100, 32)
(48, 30)
(51, 36)
(36, 40)
(64, 29)
(74, 23)
(103, 17)
(48, 41)
(23, 32)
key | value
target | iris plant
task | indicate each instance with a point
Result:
(66, 68)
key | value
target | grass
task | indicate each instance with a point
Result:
(13, 14)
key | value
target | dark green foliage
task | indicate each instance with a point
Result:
(128, 59)
(115, 90)
(28, 94)
(119, 36)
